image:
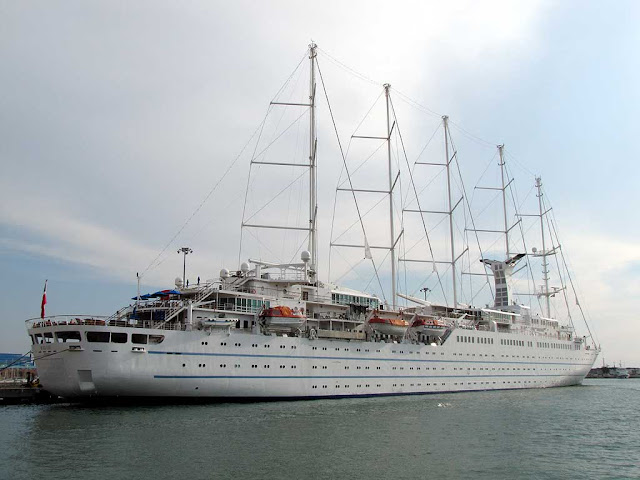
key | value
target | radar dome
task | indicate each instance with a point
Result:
(244, 267)
(178, 282)
(305, 256)
(534, 249)
(224, 273)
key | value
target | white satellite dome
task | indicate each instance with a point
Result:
(244, 268)
(178, 282)
(305, 256)
(224, 273)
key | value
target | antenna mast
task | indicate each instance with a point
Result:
(445, 121)
(313, 143)
(391, 223)
(504, 200)
(545, 264)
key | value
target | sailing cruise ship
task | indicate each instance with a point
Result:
(276, 331)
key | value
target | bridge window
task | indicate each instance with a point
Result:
(102, 337)
(117, 337)
(139, 338)
(68, 337)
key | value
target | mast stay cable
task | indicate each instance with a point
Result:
(344, 161)
(413, 185)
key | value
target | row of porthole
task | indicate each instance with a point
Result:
(346, 386)
(294, 347)
(324, 367)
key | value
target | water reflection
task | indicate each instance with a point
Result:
(555, 433)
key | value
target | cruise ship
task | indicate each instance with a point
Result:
(277, 331)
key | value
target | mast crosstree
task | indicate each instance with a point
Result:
(312, 227)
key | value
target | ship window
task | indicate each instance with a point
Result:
(48, 337)
(139, 338)
(68, 337)
(156, 339)
(118, 337)
(102, 337)
(37, 338)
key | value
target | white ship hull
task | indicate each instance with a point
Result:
(241, 365)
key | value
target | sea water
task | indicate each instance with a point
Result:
(585, 432)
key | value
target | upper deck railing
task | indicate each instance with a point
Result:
(102, 321)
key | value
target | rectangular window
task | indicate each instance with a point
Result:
(117, 337)
(102, 337)
(156, 339)
(65, 337)
(139, 338)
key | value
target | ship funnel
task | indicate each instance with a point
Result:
(501, 276)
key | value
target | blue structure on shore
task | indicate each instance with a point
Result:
(15, 360)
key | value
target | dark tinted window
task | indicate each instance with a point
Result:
(98, 337)
(117, 337)
(68, 336)
(139, 338)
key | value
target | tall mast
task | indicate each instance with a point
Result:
(545, 264)
(313, 206)
(445, 121)
(391, 223)
(504, 200)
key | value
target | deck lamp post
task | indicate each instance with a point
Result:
(425, 290)
(185, 251)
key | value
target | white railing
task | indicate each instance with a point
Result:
(54, 320)
(93, 320)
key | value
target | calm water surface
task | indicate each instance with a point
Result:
(587, 432)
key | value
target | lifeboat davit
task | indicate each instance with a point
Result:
(389, 326)
(429, 326)
(283, 317)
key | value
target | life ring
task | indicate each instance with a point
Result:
(313, 335)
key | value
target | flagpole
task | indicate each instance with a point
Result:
(44, 299)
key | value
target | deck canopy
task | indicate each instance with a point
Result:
(160, 293)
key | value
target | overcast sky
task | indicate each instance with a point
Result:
(118, 118)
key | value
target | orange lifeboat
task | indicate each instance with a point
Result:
(429, 326)
(389, 326)
(282, 317)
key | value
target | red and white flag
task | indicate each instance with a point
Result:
(44, 300)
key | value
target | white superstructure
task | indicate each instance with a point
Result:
(276, 331)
